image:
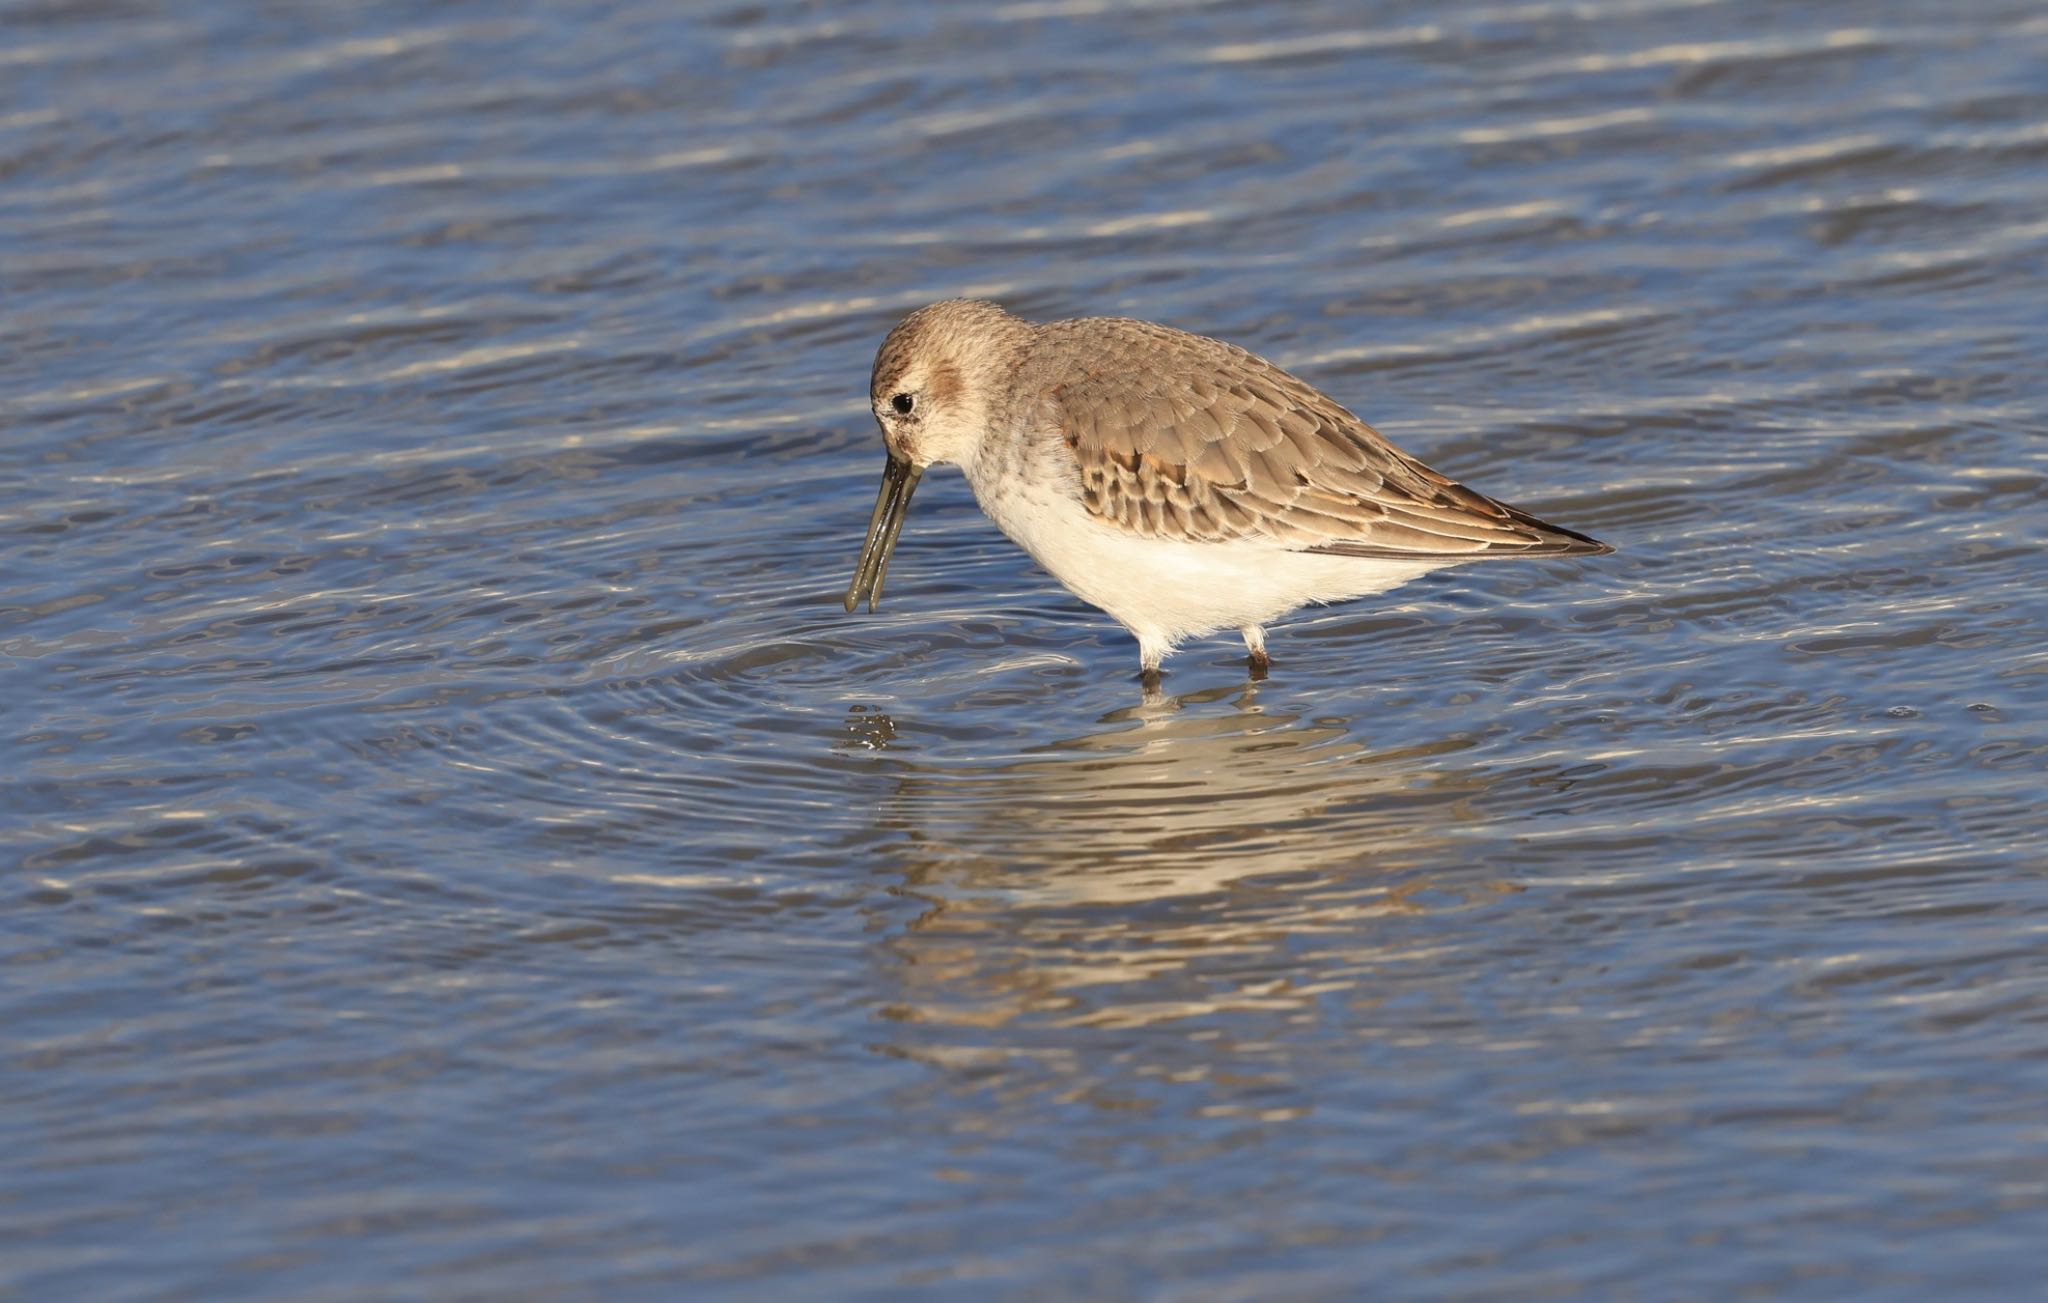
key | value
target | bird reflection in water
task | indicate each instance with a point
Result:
(1197, 873)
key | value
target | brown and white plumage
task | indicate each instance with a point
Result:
(1180, 483)
(1186, 437)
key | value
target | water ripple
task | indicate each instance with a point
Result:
(459, 838)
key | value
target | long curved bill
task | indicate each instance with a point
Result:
(899, 481)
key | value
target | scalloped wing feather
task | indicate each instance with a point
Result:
(1184, 437)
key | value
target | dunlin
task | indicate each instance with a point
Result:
(1179, 483)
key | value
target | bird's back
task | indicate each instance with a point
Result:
(1184, 437)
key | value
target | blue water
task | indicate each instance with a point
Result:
(456, 846)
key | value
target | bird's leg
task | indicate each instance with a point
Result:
(1150, 653)
(1255, 643)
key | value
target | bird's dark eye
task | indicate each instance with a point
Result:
(903, 403)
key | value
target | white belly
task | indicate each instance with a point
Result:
(1165, 591)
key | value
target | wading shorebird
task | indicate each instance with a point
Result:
(1179, 483)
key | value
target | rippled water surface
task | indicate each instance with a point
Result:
(456, 846)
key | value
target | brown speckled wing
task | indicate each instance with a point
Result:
(1182, 437)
